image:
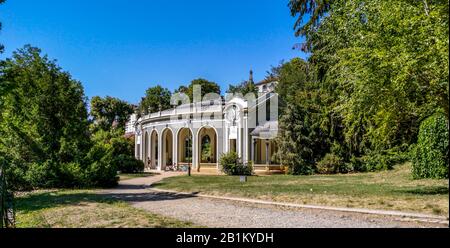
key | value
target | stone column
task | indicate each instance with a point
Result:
(174, 148)
(195, 150)
(252, 155)
(160, 152)
(245, 156)
(136, 146)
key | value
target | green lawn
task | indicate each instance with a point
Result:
(83, 209)
(389, 190)
(127, 176)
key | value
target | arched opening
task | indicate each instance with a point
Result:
(207, 157)
(184, 147)
(153, 159)
(167, 139)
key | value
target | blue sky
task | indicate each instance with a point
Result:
(120, 48)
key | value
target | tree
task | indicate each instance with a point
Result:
(243, 88)
(304, 136)
(314, 10)
(109, 111)
(385, 61)
(44, 117)
(382, 67)
(156, 99)
(206, 88)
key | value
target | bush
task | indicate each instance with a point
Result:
(332, 164)
(42, 175)
(231, 165)
(430, 155)
(128, 164)
(378, 161)
(50, 174)
(15, 174)
(70, 175)
(101, 170)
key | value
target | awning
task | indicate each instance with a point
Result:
(267, 131)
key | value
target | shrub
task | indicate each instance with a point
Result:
(430, 155)
(15, 174)
(50, 174)
(101, 170)
(128, 164)
(70, 175)
(332, 164)
(231, 165)
(378, 161)
(42, 174)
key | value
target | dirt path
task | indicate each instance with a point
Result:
(224, 213)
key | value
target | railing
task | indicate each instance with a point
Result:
(201, 107)
(206, 107)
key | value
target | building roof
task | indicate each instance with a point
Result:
(267, 131)
(266, 81)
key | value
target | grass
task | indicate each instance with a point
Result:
(387, 190)
(84, 209)
(127, 176)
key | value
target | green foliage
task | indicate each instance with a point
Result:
(44, 134)
(332, 164)
(110, 112)
(378, 67)
(206, 152)
(156, 99)
(118, 149)
(383, 56)
(231, 165)
(431, 154)
(129, 164)
(243, 88)
(313, 10)
(303, 136)
(206, 88)
(101, 168)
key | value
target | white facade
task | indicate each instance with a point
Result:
(130, 125)
(198, 134)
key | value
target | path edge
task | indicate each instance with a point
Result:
(404, 215)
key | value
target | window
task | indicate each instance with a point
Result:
(188, 149)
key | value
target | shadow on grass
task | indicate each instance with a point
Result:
(431, 190)
(38, 201)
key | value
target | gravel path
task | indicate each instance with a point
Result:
(223, 213)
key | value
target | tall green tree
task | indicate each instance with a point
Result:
(206, 88)
(44, 115)
(44, 122)
(304, 133)
(156, 99)
(110, 112)
(390, 59)
(309, 14)
(383, 65)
